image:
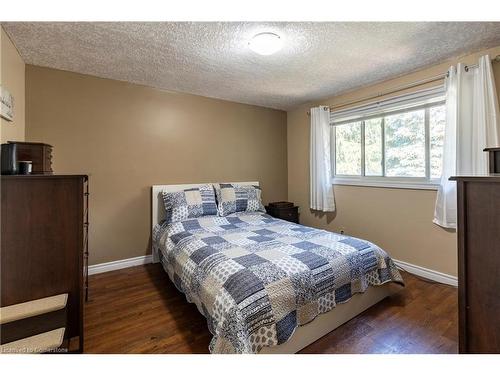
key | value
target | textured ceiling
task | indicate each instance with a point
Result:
(213, 59)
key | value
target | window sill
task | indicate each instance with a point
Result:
(393, 184)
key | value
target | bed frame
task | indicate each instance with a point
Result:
(322, 324)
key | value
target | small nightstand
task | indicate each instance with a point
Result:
(284, 210)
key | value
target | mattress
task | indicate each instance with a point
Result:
(256, 278)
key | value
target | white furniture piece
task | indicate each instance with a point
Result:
(312, 331)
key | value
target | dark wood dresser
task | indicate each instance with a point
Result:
(44, 242)
(479, 263)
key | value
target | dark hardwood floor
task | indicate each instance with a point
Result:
(138, 310)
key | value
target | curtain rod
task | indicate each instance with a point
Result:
(404, 87)
(494, 59)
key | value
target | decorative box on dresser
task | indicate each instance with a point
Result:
(44, 242)
(478, 232)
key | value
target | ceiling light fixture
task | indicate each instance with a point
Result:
(265, 43)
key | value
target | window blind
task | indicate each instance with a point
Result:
(391, 105)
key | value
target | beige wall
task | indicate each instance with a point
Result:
(398, 220)
(129, 137)
(12, 70)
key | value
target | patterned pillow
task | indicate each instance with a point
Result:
(189, 203)
(238, 198)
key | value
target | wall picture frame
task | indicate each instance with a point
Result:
(6, 104)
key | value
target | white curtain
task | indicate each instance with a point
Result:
(321, 191)
(472, 123)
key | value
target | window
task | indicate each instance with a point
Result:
(400, 147)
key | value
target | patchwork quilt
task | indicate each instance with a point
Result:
(256, 278)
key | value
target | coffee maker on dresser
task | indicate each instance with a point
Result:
(16, 155)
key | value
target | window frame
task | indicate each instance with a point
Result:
(424, 183)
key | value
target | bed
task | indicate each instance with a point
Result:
(266, 285)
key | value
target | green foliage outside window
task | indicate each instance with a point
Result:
(394, 145)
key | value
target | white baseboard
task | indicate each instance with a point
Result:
(427, 273)
(119, 264)
(145, 259)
